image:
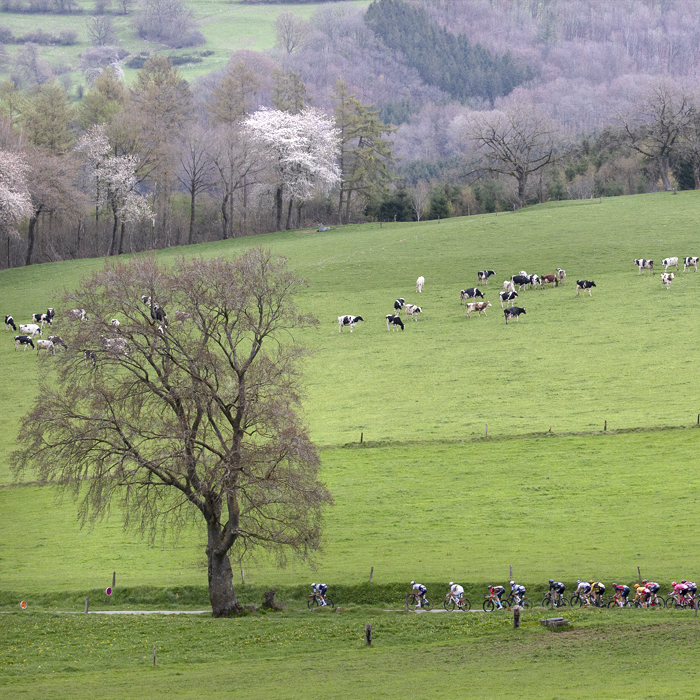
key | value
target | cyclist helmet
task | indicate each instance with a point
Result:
(644, 582)
(578, 580)
(683, 581)
(412, 582)
(591, 581)
(673, 583)
(312, 585)
(636, 585)
(614, 584)
(452, 583)
(551, 580)
(512, 582)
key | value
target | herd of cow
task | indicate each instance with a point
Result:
(666, 276)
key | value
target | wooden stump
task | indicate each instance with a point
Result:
(516, 616)
(368, 635)
(269, 600)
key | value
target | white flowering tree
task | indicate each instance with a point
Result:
(301, 151)
(113, 181)
(15, 200)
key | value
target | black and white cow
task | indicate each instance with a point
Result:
(690, 262)
(412, 310)
(78, 315)
(29, 329)
(25, 340)
(484, 275)
(42, 319)
(669, 262)
(90, 356)
(535, 280)
(585, 285)
(644, 264)
(508, 297)
(10, 323)
(398, 305)
(513, 312)
(45, 345)
(471, 293)
(521, 281)
(57, 341)
(393, 322)
(348, 321)
(561, 273)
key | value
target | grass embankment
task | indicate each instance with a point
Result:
(605, 654)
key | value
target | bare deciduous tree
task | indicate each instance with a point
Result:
(15, 200)
(291, 31)
(101, 30)
(191, 421)
(516, 142)
(420, 198)
(657, 124)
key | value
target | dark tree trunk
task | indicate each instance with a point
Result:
(224, 216)
(244, 229)
(221, 594)
(289, 214)
(347, 206)
(279, 202)
(340, 207)
(97, 232)
(522, 182)
(121, 238)
(696, 174)
(191, 234)
(663, 171)
(115, 226)
(30, 237)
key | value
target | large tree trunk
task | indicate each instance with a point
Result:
(340, 206)
(224, 216)
(663, 171)
(522, 182)
(121, 238)
(191, 234)
(289, 214)
(221, 594)
(30, 238)
(115, 226)
(278, 200)
(696, 173)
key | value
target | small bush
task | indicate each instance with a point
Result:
(183, 60)
(136, 62)
(206, 53)
(39, 37)
(6, 36)
(68, 37)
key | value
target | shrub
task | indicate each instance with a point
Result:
(6, 36)
(68, 37)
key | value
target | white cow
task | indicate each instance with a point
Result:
(419, 283)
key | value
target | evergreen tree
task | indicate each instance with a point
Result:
(231, 98)
(46, 118)
(288, 91)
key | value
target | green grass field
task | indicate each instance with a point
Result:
(426, 496)
(228, 26)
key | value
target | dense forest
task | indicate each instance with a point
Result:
(403, 110)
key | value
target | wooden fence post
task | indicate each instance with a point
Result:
(487, 430)
(362, 437)
(511, 573)
(605, 428)
(639, 573)
(368, 635)
(154, 654)
(371, 573)
(87, 603)
(114, 579)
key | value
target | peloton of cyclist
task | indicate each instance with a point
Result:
(498, 591)
(623, 591)
(456, 592)
(420, 590)
(598, 590)
(518, 592)
(583, 588)
(320, 590)
(680, 589)
(557, 589)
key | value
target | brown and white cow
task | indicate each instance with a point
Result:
(550, 279)
(667, 278)
(477, 306)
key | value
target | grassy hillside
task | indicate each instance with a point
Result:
(429, 496)
(228, 26)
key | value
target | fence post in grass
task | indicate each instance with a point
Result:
(605, 427)
(114, 579)
(486, 434)
(698, 420)
(511, 573)
(406, 602)
(371, 573)
(154, 654)
(87, 603)
(243, 576)
(368, 635)
(362, 437)
(639, 573)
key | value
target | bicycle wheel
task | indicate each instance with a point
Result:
(329, 602)
(489, 606)
(562, 602)
(506, 603)
(527, 603)
(449, 604)
(426, 604)
(547, 602)
(412, 601)
(576, 600)
(466, 604)
(312, 602)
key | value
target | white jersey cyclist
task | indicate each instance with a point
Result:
(456, 591)
(320, 590)
(420, 591)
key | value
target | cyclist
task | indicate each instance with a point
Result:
(320, 590)
(622, 591)
(680, 589)
(456, 592)
(498, 591)
(692, 588)
(557, 589)
(420, 590)
(583, 588)
(652, 589)
(517, 591)
(598, 590)
(640, 594)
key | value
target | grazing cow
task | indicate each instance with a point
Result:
(419, 283)
(42, 319)
(78, 315)
(57, 341)
(398, 305)
(50, 313)
(25, 340)
(115, 346)
(508, 297)
(10, 323)
(521, 281)
(513, 312)
(585, 285)
(669, 262)
(393, 322)
(45, 345)
(644, 264)
(484, 275)
(348, 321)
(115, 324)
(535, 280)
(412, 310)
(477, 306)
(687, 262)
(508, 286)
(561, 273)
(667, 278)
(550, 279)
(90, 356)
(29, 329)
(471, 293)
